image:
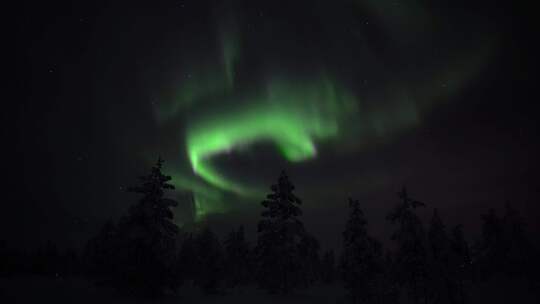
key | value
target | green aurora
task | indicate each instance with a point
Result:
(296, 114)
(304, 114)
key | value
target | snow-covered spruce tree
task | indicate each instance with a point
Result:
(146, 250)
(361, 260)
(411, 255)
(279, 236)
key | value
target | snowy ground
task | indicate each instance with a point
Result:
(75, 290)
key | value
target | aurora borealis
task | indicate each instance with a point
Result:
(304, 114)
(295, 109)
(353, 98)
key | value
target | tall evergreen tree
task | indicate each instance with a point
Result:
(411, 255)
(361, 260)
(279, 235)
(147, 237)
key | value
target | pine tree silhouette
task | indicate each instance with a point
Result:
(361, 260)
(411, 255)
(279, 235)
(146, 249)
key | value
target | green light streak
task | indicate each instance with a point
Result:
(203, 82)
(205, 197)
(293, 117)
(230, 51)
(185, 183)
(197, 86)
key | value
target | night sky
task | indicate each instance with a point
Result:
(351, 98)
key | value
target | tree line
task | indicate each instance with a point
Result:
(145, 253)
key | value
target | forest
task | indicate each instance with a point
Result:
(145, 255)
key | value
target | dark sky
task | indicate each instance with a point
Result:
(352, 98)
